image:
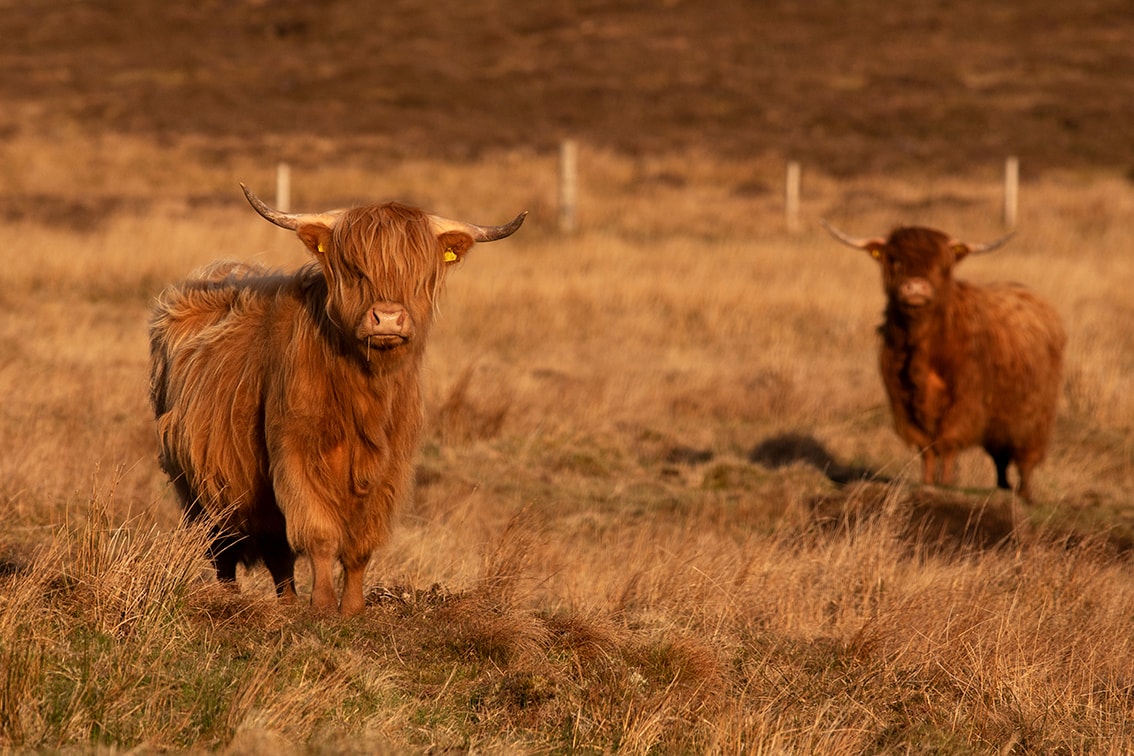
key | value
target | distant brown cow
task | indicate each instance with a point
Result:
(964, 365)
(288, 405)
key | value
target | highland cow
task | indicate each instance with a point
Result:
(289, 405)
(964, 365)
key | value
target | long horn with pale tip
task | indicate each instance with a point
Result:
(478, 233)
(850, 241)
(976, 249)
(290, 221)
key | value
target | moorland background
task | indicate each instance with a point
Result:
(633, 528)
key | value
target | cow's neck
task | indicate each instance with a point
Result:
(382, 376)
(921, 342)
(380, 406)
(925, 331)
(364, 388)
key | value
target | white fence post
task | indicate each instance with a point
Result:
(568, 185)
(1011, 190)
(283, 187)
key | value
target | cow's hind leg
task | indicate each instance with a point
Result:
(1001, 458)
(224, 551)
(280, 561)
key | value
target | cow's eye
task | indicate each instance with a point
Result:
(353, 272)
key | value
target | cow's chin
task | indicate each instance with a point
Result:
(383, 343)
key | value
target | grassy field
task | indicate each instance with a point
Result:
(594, 560)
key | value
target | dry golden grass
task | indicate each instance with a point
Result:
(592, 561)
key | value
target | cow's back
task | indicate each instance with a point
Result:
(1018, 342)
(210, 347)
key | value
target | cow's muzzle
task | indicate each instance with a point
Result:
(915, 292)
(386, 325)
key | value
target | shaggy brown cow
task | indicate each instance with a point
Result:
(964, 365)
(288, 405)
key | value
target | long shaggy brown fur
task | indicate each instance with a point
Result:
(965, 365)
(277, 416)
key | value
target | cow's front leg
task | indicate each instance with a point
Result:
(313, 528)
(322, 579)
(928, 466)
(949, 467)
(353, 573)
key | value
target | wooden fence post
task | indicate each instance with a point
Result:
(791, 197)
(1011, 190)
(283, 187)
(568, 185)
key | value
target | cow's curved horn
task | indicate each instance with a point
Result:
(479, 233)
(976, 249)
(290, 221)
(850, 241)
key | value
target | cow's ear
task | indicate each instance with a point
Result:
(874, 248)
(316, 236)
(454, 245)
(960, 251)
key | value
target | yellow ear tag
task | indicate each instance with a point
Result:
(450, 255)
(876, 253)
(321, 249)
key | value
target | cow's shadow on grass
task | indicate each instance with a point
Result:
(793, 448)
(926, 520)
(930, 521)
